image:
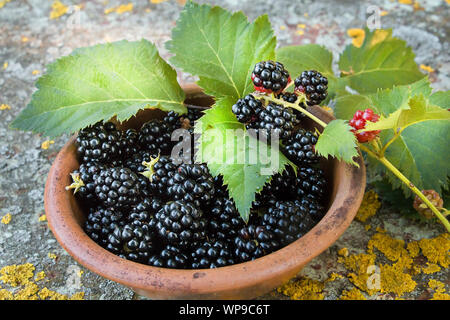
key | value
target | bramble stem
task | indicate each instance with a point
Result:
(296, 107)
(410, 185)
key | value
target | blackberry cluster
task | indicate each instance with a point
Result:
(269, 76)
(313, 84)
(144, 206)
(300, 147)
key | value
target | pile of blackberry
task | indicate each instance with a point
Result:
(145, 206)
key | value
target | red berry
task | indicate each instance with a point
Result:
(359, 122)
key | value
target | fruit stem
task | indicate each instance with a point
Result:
(410, 185)
(294, 106)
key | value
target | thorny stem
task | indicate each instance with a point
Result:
(410, 185)
(294, 106)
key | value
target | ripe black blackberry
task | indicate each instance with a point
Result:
(117, 187)
(180, 223)
(311, 207)
(247, 109)
(280, 186)
(136, 164)
(144, 212)
(299, 148)
(83, 181)
(269, 76)
(254, 241)
(129, 143)
(211, 254)
(99, 142)
(173, 120)
(292, 97)
(157, 171)
(287, 220)
(169, 257)
(155, 137)
(310, 183)
(101, 222)
(274, 119)
(132, 241)
(224, 219)
(191, 183)
(194, 114)
(313, 84)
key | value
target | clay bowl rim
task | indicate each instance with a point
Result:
(199, 282)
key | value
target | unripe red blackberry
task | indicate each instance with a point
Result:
(313, 84)
(359, 121)
(269, 76)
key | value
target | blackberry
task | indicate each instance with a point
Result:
(169, 257)
(211, 254)
(117, 187)
(101, 222)
(300, 147)
(180, 223)
(157, 171)
(288, 221)
(194, 114)
(312, 208)
(292, 97)
(220, 188)
(313, 84)
(247, 109)
(224, 219)
(129, 143)
(173, 120)
(254, 241)
(274, 119)
(99, 142)
(310, 183)
(281, 185)
(136, 164)
(269, 76)
(155, 136)
(84, 180)
(191, 183)
(132, 242)
(144, 212)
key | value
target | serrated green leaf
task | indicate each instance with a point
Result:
(381, 62)
(337, 141)
(245, 164)
(220, 48)
(441, 99)
(97, 83)
(419, 111)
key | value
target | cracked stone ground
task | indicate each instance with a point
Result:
(29, 40)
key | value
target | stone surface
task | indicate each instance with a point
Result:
(24, 164)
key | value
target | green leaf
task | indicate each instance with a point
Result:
(381, 62)
(245, 164)
(441, 99)
(338, 141)
(97, 83)
(220, 48)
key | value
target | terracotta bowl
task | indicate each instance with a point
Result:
(240, 281)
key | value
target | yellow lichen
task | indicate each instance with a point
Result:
(52, 255)
(24, 39)
(35, 72)
(39, 276)
(58, 9)
(303, 289)
(360, 267)
(28, 292)
(120, 9)
(413, 249)
(439, 289)
(357, 36)
(437, 250)
(46, 144)
(393, 249)
(4, 107)
(301, 26)
(369, 206)
(353, 294)
(300, 32)
(157, 1)
(6, 219)
(3, 2)
(6, 295)
(431, 268)
(5, 65)
(334, 276)
(367, 227)
(405, 1)
(42, 218)
(395, 280)
(426, 68)
(343, 252)
(16, 275)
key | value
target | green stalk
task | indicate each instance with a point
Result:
(410, 185)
